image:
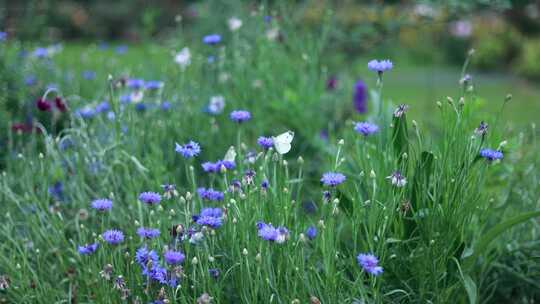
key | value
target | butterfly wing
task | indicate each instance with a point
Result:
(282, 142)
(230, 155)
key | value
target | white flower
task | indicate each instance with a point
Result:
(272, 34)
(183, 58)
(397, 179)
(216, 105)
(234, 24)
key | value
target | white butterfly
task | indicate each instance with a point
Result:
(282, 142)
(230, 155)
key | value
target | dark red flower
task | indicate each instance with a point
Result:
(60, 104)
(21, 127)
(43, 105)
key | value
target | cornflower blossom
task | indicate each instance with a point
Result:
(482, 129)
(210, 217)
(212, 39)
(311, 232)
(332, 179)
(240, 116)
(102, 204)
(210, 194)
(113, 236)
(150, 198)
(369, 263)
(360, 97)
(265, 142)
(491, 155)
(174, 257)
(188, 150)
(397, 179)
(216, 105)
(366, 128)
(273, 234)
(148, 233)
(380, 66)
(88, 249)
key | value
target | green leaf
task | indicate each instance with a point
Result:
(470, 287)
(400, 136)
(494, 232)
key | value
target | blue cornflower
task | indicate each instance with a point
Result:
(88, 249)
(264, 184)
(30, 80)
(102, 204)
(380, 66)
(311, 232)
(210, 217)
(366, 128)
(153, 85)
(57, 191)
(332, 179)
(360, 97)
(134, 83)
(269, 233)
(86, 112)
(229, 165)
(212, 39)
(240, 116)
(89, 75)
(113, 237)
(3, 36)
(188, 150)
(213, 272)
(174, 257)
(490, 154)
(210, 167)
(102, 107)
(141, 107)
(143, 256)
(210, 194)
(166, 106)
(148, 233)
(369, 263)
(150, 198)
(40, 52)
(265, 142)
(157, 273)
(121, 49)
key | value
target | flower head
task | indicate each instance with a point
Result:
(240, 116)
(380, 66)
(102, 204)
(397, 179)
(332, 179)
(210, 217)
(265, 142)
(216, 105)
(400, 110)
(143, 256)
(153, 85)
(366, 128)
(369, 263)
(481, 129)
(491, 155)
(43, 105)
(174, 257)
(210, 194)
(360, 97)
(183, 58)
(189, 149)
(113, 237)
(234, 24)
(150, 198)
(148, 233)
(212, 39)
(311, 232)
(134, 83)
(88, 249)
(269, 233)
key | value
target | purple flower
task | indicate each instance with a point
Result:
(113, 237)
(397, 179)
(3, 36)
(331, 83)
(265, 142)
(481, 129)
(102, 204)
(369, 263)
(332, 179)
(491, 155)
(89, 75)
(210, 167)
(57, 191)
(174, 257)
(229, 165)
(143, 256)
(153, 85)
(210, 217)
(43, 105)
(400, 110)
(269, 233)
(212, 39)
(380, 66)
(157, 273)
(88, 249)
(360, 97)
(188, 150)
(264, 184)
(240, 116)
(135, 84)
(213, 272)
(311, 232)
(148, 233)
(210, 194)
(150, 198)
(366, 128)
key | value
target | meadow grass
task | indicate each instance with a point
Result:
(415, 212)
